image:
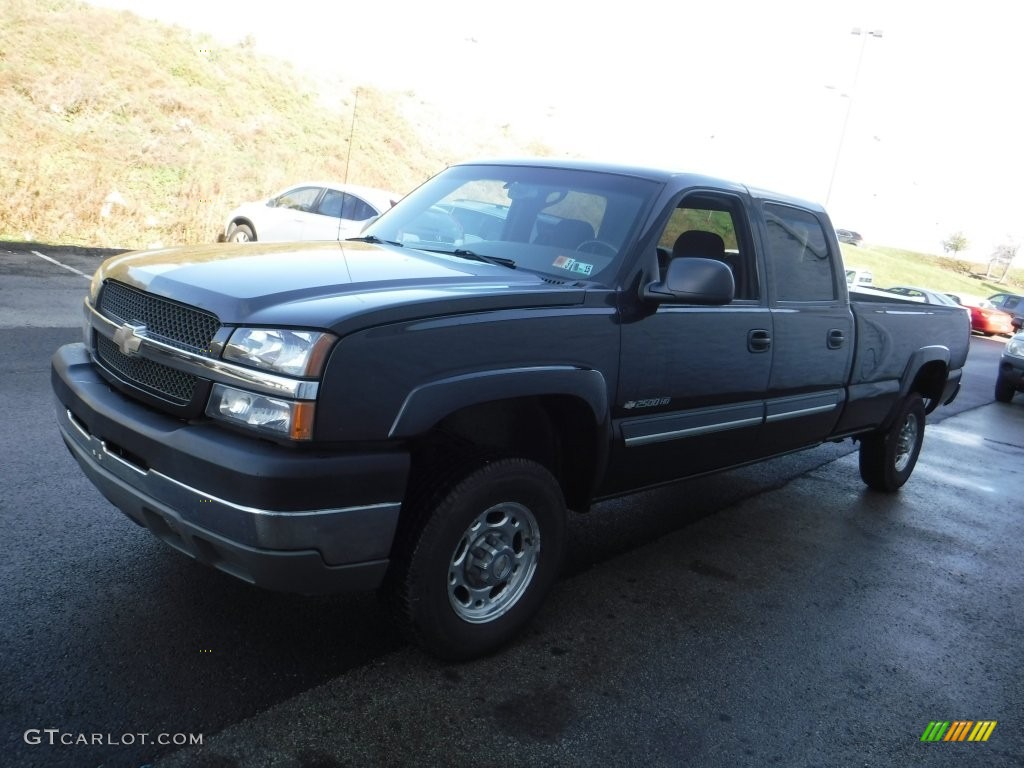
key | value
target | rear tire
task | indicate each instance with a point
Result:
(1004, 390)
(476, 556)
(888, 458)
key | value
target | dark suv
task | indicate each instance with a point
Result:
(1012, 304)
(1010, 378)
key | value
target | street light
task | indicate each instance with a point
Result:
(864, 35)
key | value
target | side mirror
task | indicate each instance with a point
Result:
(693, 281)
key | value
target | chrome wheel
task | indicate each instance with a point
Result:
(468, 571)
(887, 457)
(493, 563)
(906, 443)
(241, 233)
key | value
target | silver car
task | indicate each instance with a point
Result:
(311, 210)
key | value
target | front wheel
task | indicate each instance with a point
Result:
(241, 233)
(1004, 390)
(887, 458)
(475, 559)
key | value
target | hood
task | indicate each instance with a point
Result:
(327, 284)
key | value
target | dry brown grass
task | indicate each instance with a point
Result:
(95, 102)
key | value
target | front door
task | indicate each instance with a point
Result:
(693, 378)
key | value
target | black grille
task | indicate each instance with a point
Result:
(167, 382)
(167, 321)
(173, 323)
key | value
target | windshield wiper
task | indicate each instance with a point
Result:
(373, 239)
(497, 261)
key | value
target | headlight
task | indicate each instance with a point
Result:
(1015, 346)
(94, 286)
(93, 300)
(295, 353)
(284, 418)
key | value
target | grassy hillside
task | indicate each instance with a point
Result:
(95, 102)
(892, 266)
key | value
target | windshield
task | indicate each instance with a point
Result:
(569, 224)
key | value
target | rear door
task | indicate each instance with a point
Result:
(354, 214)
(812, 329)
(323, 222)
(693, 378)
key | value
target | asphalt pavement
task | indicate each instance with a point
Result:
(820, 624)
(778, 614)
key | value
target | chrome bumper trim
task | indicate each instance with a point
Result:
(205, 367)
(334, 532)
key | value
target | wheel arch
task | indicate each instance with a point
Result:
(556, 416)
(926, 374)
(239, 220)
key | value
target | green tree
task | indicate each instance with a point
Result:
(955, 243)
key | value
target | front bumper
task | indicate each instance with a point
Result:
(290, 520)
(1011, 370)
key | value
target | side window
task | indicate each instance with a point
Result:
(300, 199)
(711, 227)
(331, 203)
(356, 209)
(798, 257)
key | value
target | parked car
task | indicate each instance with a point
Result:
(849, 236)
(985, 318)
(1012, 304)
(1010, 378)
(924, 295)
(308, 211)
(855, 276)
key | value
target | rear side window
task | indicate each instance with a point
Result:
(330, 205)
(356, 209)
(798, 255)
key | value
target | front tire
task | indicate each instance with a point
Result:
(1004, 390)
(476, 557)
(888, 458)
(241, 233)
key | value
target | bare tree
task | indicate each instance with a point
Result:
(955, 243)
(1003, 256)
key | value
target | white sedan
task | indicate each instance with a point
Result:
(311, 210)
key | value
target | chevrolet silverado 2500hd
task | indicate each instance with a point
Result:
(417, 409)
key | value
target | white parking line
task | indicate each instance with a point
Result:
(64, 266)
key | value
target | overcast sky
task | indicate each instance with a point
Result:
(754, 91)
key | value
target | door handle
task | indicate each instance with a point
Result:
(758, 340)
(836, 338)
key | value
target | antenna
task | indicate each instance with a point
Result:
(351, 132)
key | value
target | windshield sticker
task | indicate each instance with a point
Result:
(571, 265)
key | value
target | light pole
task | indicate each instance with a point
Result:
(864, 35)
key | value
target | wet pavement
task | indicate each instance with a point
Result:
(818, 624)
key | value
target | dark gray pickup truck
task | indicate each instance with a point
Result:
(416, 410)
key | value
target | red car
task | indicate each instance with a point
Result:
(985, 317)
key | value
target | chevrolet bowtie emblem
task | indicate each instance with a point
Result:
(129, 337)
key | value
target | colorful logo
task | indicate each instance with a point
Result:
(958, 730)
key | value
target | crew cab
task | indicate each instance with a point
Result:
(417, 409)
